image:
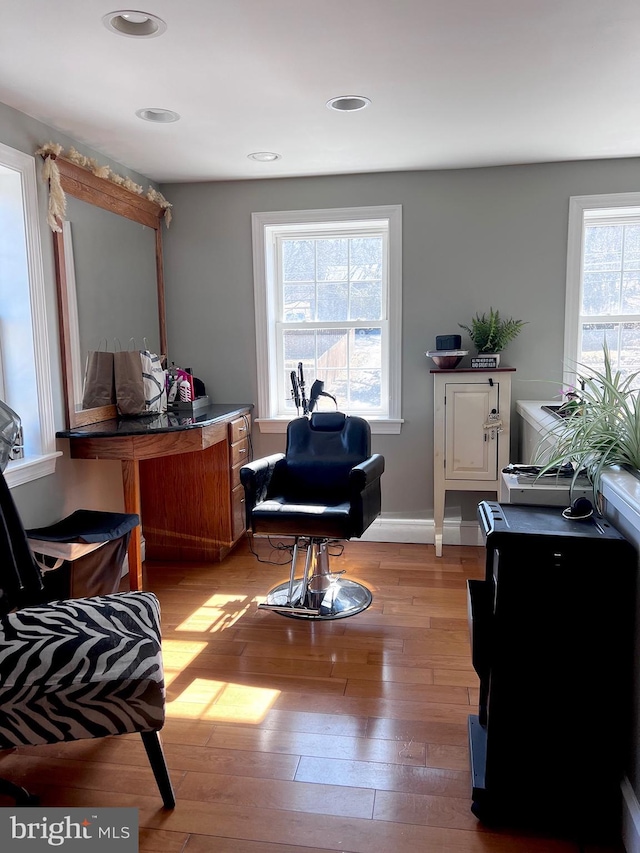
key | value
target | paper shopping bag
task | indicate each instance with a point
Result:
(99, 387)
(127, 369)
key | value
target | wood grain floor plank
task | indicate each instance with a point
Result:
(160, 841)
(455, 677)
(379, 672)
(366, 689)
(447, 756)
(299, 796)
(312, 722)
(304, 652)
(384, 777)
(428, 661)
(424, 809)
(321, 745)
(209, 844)
(401, 709)
(408, 730)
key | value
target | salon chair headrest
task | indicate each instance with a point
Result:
(328, 421)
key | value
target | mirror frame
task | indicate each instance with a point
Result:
(84, 185)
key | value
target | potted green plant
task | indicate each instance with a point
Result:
(490, 333)
(603, 428)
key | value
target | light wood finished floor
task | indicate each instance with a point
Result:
(287, 736)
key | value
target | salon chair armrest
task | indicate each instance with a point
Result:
(366, 472)
(256, 478)
(366, 499)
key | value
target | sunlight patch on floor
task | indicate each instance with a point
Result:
(177, 655)
(222, 701)
(217, 613)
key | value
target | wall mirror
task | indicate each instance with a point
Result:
(110, 278)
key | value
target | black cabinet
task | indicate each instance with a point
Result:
(552, 638)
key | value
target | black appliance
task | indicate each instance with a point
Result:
(552, 638)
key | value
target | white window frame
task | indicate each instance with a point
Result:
(266, 301)
(40, 452)
(614, 208)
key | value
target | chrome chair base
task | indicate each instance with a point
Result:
(319, 594)
(341, 598)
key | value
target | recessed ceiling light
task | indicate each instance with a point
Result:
(264, 156)
(157, 115)
(348, 103)
(134, 24)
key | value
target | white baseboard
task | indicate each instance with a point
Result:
(422, 531)
(630, 818)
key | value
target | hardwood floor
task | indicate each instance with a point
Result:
(287, 736)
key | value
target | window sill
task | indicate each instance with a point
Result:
(32, 468)
(378, 427)
(621, 490)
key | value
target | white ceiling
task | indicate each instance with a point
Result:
(453, 83)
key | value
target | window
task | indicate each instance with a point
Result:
(26, 378)
(328, 294)
(603, 282)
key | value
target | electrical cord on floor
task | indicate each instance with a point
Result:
(275, 546)
(283, 546)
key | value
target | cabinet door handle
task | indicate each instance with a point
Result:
(242, 450)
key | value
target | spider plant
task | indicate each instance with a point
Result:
(603, 430)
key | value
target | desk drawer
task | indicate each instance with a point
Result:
(235, 475)
(240, 428)
(240, 453)
(237, 512)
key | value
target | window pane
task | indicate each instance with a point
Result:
(333, 301)
(601, 293)
(332, 348)
(349, 363)
(632, 247)
(367, 348)
(299, 303)
(366, 301)
(333, 259)
(623, 340)
(364, 389)
(593, 337)
(603, 247)
(631, 292)
(298, 260)
(299, 346)
(366, 258)
(630, 348)
(336, 382)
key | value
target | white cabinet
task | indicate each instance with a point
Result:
(472, 411)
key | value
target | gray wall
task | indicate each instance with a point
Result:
(471, 239)
(76, 483)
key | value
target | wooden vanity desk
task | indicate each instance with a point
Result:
(181, 475)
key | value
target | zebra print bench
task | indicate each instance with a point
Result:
(84, 668)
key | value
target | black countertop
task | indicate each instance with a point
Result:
(149, 424)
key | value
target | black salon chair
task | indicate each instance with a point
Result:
(325, 487)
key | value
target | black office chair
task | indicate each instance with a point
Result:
(325, 487)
